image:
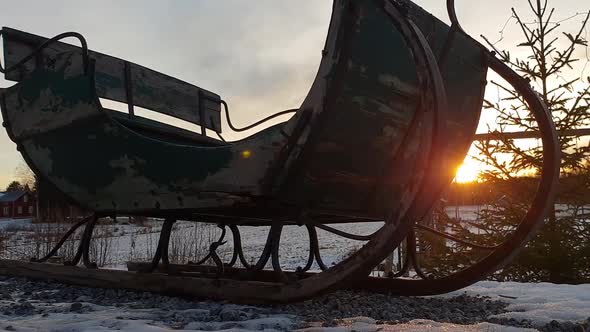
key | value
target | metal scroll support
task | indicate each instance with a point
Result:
(310, 257)
(213, 253)
(238, 249)
(414, 256)
(275, 242)
(405, 268)
(162, 249)
(270, 252)
(66, 236)
(83, 251)
(237, 253)
(261, 263)
(315, 247)
(411, 259)
(269, 247)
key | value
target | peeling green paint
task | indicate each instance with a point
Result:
(104, 165)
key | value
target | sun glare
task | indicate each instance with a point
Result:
(468, 171)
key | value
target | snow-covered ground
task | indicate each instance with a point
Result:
(34, 306)
(7, 223)
(539, 303)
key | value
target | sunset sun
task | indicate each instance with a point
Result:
(468, 171)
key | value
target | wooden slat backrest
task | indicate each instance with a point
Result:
(122, 81)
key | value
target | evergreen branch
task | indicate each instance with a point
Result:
(564, 57)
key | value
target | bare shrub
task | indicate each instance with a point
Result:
(190, 242)
(25, 242)
(101, 245)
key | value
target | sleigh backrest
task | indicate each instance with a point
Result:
(122, 81)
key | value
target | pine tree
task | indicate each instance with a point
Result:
(556, 253)
(560, 253)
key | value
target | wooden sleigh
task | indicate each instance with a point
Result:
(392, 111)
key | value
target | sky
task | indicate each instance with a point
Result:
(260, 56)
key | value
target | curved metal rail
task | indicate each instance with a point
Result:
(454, 238)
(33, 54)
(542, 202)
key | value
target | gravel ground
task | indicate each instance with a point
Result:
(24, 298)
(393, 309)
(388, 309)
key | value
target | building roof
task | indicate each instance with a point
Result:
(11, 196)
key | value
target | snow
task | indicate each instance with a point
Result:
(135, 320)
(369, 325)
(6, 223)
(538, 302)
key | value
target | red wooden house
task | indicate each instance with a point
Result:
(17, 204)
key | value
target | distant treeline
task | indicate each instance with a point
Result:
(488, 192)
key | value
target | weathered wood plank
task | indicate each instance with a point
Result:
(229, 272)
(185, 280)
(159, 130)
(175, 285)
(150, 89)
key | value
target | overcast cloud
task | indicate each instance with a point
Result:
(260, 56)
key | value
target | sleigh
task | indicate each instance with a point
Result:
(391, 113)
